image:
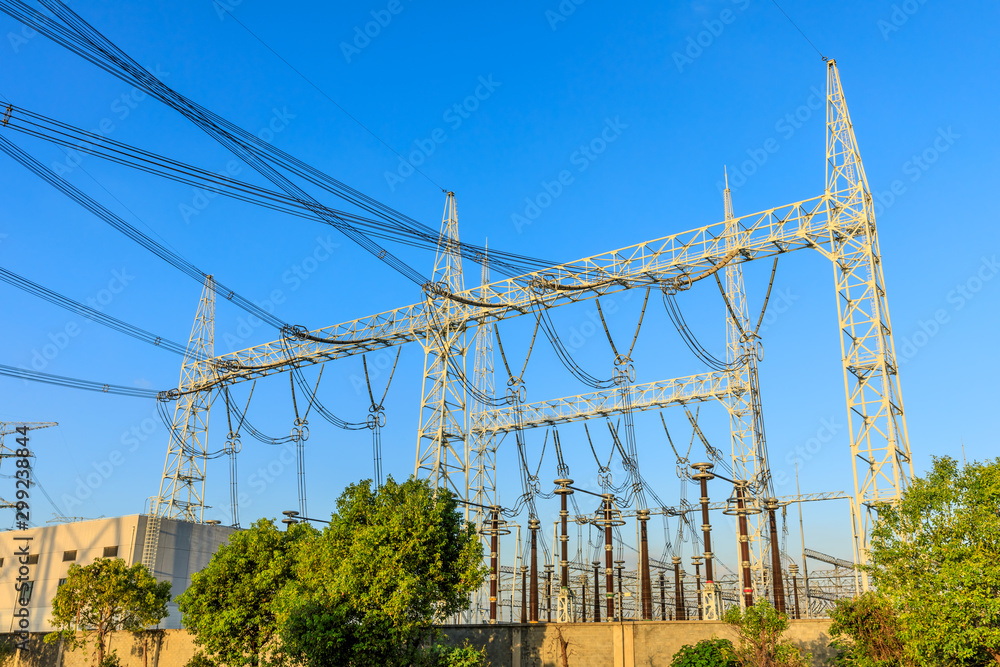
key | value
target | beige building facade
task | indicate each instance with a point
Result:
(177, 550)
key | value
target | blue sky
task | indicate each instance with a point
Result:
(496, 101)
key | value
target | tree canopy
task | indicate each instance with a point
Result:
(935, 556)
(365, 591)
(229, 605)
(106, 596)
(392, 562)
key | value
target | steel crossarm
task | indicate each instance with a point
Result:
(673, 261)
(606, 402)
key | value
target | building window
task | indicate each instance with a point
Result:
(61, 582)
(111, 552)
(69, 555)
(26, 591)
(32, 559)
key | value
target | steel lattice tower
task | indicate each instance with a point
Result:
(442, 445)
(880, 445)
(484, 463)
(182, 489)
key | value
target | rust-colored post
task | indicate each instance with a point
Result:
(533, 590)
(741, 509)
(663, 597)
(524, 593)
(494, 560)
(646, 586)
(776, 579)
(697, 585)
(793, 570)
(597, 592)
(563, 491)
(609, 584)
(680, 613)
(703, 475)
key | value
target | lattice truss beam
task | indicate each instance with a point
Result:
(839, 223)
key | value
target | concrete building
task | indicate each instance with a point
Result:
(175, 549)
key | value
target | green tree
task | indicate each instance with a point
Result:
(106, 596)
(934, 555)
(391, 563)
(760, 628)
(229, 605)
(866, 630)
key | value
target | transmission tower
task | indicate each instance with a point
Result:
(880, 445)
(484, 465)
(182, 489)
(442, 446)
(743, 401)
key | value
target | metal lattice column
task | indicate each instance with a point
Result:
(879, 443)
(182, 488)
(743, 401)
(442, 445)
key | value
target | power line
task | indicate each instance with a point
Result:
(324, 94)
(794, 25)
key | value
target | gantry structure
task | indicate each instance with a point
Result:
(456, 445)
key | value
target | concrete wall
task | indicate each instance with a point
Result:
(635, 644)
(630, 644)
(154, 648)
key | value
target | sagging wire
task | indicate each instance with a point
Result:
(376, 416)
(516, 396)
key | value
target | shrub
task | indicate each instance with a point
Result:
(760, 628)
(866, 630)
(706, 653)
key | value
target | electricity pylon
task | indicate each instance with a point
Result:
(182, 488)
(749, 454)
(880, 445)
(484, 442)
(442, 445)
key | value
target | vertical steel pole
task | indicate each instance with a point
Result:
(646, 585)
(663, 598)
(776, 580)
(533, 591)
(494, 561)
(524, 593)
(597, 592)
(793, 570)
(619, 566)
(609, 585)
(741, 509)
(679, 611)
(548, 592)
(697, 585)
(583, 597)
